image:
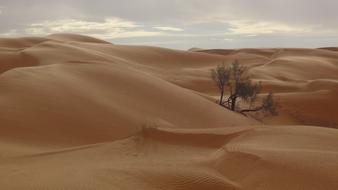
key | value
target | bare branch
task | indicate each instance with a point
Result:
(237, 79)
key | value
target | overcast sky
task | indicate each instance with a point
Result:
(179, 23)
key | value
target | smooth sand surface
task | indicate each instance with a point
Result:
(80, 113)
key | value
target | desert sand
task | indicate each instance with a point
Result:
(80, 113)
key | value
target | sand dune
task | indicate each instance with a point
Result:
(258, 158)
(80, 113)
(304, 80)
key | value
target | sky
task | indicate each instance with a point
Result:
(179, 24)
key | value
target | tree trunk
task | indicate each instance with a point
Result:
(221, 98)
(233, 102)
(229, 102)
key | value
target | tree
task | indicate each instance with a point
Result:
(221, 76)
(236, 79)
(268, 106)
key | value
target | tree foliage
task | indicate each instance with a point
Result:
(236, 79)
(221, 77)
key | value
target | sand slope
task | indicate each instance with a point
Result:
(304, 81)
(80, 113)
(258, 158)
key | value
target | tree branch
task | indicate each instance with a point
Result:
(252, 110)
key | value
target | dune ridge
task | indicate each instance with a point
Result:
(80, 113)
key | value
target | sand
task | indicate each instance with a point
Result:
(80, 113)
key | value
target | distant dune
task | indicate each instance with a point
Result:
(80, 113)
(330, 48)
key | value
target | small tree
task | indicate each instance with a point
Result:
(235, 77)
(221, 77)
(269, 106)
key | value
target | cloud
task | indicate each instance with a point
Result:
(228, 39)
(73, 25)
(109, 28)
(10, 33)
(127, 34)
(168, 28)
(253, 28)
(245, 21)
